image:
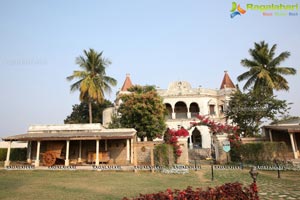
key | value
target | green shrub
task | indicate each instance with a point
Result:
(235, 154)
(262, 152)
(3, 154)
(15, 154)
(18, 154)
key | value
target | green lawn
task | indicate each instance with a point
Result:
(115, 185)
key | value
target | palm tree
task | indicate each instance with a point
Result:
(92, 81)
(265, 74)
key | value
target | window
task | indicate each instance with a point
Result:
(212, 109)
(221, 109)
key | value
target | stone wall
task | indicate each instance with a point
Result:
(184, 158)
(142, 152)
(221, 156)
(199, 154)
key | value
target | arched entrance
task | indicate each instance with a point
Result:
(196, 139)
(181, 110)
(169, 110)
(194, 109)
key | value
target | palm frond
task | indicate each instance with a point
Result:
(265, 76)
(264, 73)
(250, 82)
(282, 57)
(285, 70)
(249, 63)
(244, 76)
(76, 86)
(93, 81)
(281, 83)
(272, 51)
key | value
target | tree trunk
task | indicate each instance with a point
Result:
(90, 112)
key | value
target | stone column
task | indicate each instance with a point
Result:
(173, 115)
(79, 153)
(184, 158)
(127, 151)
(270, 135)
(191, 141)
(135, 156)
(97, 153)
(67, 161)
(152, 159)
(292, 137)
(189, 115)
(131, 151)
(37, 160)
(221, 155)
(7, 161)
(29, 152)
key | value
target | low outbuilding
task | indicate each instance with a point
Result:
(287, 131)
(74, 144)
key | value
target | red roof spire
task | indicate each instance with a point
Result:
(227, 82)
(127, 83)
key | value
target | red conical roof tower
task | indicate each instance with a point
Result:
(127, 83)
(227, 82)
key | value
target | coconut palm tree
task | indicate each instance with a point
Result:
(265, 73)
(92, 81)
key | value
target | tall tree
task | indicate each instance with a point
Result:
(92, 81)
(143, 110)
(265, 73)
(80, 112)
(248, 109)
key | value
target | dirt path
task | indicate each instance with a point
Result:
(200, 173)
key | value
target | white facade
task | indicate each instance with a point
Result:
(183, 104)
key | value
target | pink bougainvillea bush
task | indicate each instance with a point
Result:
(171, 137)
(215, 127)
(228, 191)
(219, 128)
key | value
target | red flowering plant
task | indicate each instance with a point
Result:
(215, 127)
(219, 128)
(229, 191)
(171, 137)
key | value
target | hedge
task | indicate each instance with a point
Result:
(15, 154)
(260, 152)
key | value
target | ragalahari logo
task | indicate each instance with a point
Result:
(236, 10)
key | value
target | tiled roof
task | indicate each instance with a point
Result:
(227, 82)
(123, 133)
(288, 128)
(127, 83)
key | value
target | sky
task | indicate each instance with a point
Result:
(156, 42)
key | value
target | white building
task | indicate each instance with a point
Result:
(183, 104)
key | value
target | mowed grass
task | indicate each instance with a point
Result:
(86, 184)
(38, 184)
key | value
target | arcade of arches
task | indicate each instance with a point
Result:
(182, 111)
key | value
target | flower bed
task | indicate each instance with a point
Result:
(228, 191)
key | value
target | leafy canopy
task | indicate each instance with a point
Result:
(248, 110)
(265, 74)
(143, 110)
(80, 112)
